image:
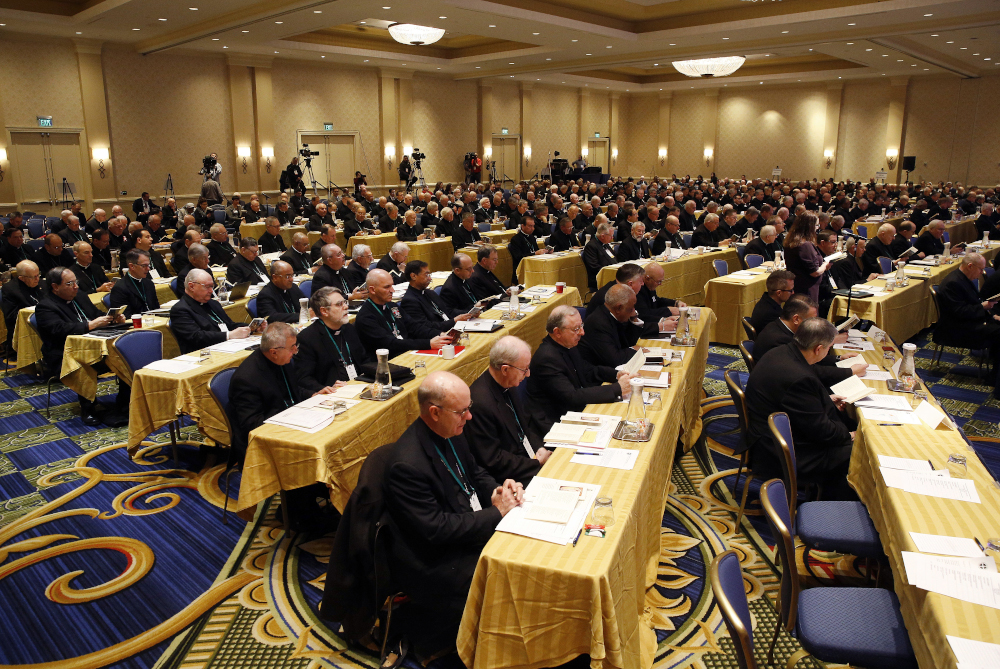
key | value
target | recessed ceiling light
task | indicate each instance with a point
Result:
(477, 67)
(656, 64)
(193, 9)
(608, 47)
(784, 32)
(673, 44)
(492, 26)
(987, 59)
(840, 77)
(279, 22)
(225, 47)
(899, 60)
(215, 39)
(439, 68)
(975, 54)
(963, 48)
(575, 40)
(536, 33)
(952, 42)
(442, 17)
(852, 24)
(322, 56)
(79, 33)
(161, 19)
(136, 29)
(914, 65)
(885, 55)
(548, 59)
(387, 8)
(867, 49)
(512, 76)
(725, 38)
(883, 74)
(246, 31)
(366, 60)
(810, 49)
(276, 52)
(760, 82)
(850, 43)
(362, 22)
(928, 15)
(767, 55)
(590, 54)
(927, 69)
(317, 11)
(935, 35)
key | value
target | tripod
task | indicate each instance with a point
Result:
(67, 193)
(420, 177)
(312, 176)
(168, 187)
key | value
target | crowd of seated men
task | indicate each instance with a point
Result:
(487, 435)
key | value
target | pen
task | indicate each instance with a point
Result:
(930, 463)
(577, 537)
(979, 543)
(586, 453)
(890, 424)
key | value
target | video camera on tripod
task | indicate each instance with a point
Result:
(307, 154)
(417, 155)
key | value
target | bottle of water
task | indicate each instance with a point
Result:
(382, 388)
(303, 310)
(986, 239)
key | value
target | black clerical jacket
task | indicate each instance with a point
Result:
(521, 246)
(16, 296)
(276, 305)
(89, 278)
(485, 283)
(777, 334)
(136, 296)
(458, 294)
(961, 311)
(495, 432)
(425, 313)
(595, 256)
(57, 319)
(384, 327)
(461, 237)
(765, 311)
(271, 243)
(301, 262)
(241, 269)
(324, 355)
(196, 325)
(630, 249)
(220, 253)
(606, 340)
(259, 390)
(325, 276)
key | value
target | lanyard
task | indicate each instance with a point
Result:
(211, 314)
(138, 288)
(466, 488)
(468, 292)
(520, 430)
(80, 316)
(347, 347)
(288, 388)
(437, 309)
(93, 283)
(390, 321)
(288, 308)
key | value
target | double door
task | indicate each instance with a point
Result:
(335, 162)
(48, 166)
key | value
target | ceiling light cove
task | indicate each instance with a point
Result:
(409, 33)
(709, 68)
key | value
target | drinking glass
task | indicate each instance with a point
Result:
(206, 355)
(603, 512)
(957, 466)
(420, 368)
(993, 548)
(655, 401)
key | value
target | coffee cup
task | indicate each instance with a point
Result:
(560, 286)
(447, 352)
(137, 321)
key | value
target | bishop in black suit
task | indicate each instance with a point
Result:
(329, 349)
(247, 266)
(632, 248)
(20, 293)
(484, 282)
(380, 322)
(523, 244)
(966, 317)
(424, 311)
(197, 320)
(598, 254)
(136, 291)
(279, 300)
(457, 291)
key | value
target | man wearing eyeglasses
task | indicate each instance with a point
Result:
(247, 266)
(136, 291)
(356, 273)
(330, 351)
(780, 285)
(501, 437)
(20, 293)
(197, 320)
(271, 241)
(63, 312)
(279, 299)
(443, 508)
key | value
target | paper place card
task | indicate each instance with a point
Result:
(944, 545)
(931, 484)
(904, 463)
(919, 565)
(172, 366)
(972, 654)
(929, 414)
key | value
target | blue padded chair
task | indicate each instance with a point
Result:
(306, 287)
(252, 307)
(686, 238)
(726, 577)
(173, 285)
(270, 209)
(45, 371)
(36, 229)
(437, 289)
(856, 626)
(753, 260)
(218, 388)
(219, 215)
(946, 237)
(989, 272)
(746, 350)
(863, 232)
(738, 392)
(28, 215)
(107, 301)
(583, 313)
(50, 221)
(741, 252)
(36, 244)
(484, 227)
(841, 527)
(721, 267)
(885, 264)
(750, 329)
(138, 348)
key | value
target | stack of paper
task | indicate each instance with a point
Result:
(612, 458)
(313, 414)
(478, 324)
(171, 366)
(544, 522)
(443, 276)
(573, 436)
(234, 345)
(931, 484)
(972, 654)
(973, 580)
(908, 464)
(851, 389)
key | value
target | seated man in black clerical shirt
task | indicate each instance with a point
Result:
(331, 273)
(298, 255)
(329, 349)
(381, 324)
(425, 312)
(197, 320)
(271, 241)
(247, 266)
(780, 284)
(439, 523)
(394, 261)
(280, 299)
(20, 293)
(136, 291)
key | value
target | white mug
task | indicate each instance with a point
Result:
(447, 352)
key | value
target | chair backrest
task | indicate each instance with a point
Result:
(738, 393)
(218, 388)
(437, 289)
(33, 323)
(140, 347)
(775, 503)
(746, 350)
(306, 287)
(686, 238)
(484, 227)
(106, 300)
(173, 285)
(726, 577)
(252, 307)
(946, 237)
(989, 272)
(863, 232)
(36, 228)
(885, 264)
(781, 430)
(741, 251)
(750, 329)
(753, 260)
(721, 267)
(583, 312)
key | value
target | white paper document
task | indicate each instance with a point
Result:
(855, 346)
(350, 391)
(553, 506)
(874, 332)
(876, 375)
(929, 414)
(944, 545)
(172, 366)
(856, 360)
(928, 571)
(974, 654)
(234, 345)
(931, 484)
(851, 389)
(908, 464)
(478, 324)
(889, 416)
(541, 291)
(613, 458)
(894, 402)
(579, 436)
(304, 420)
(518, 522)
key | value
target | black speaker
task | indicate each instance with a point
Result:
(909, 163)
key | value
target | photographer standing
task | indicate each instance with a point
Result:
(211, 168)
(359, 181)
(294, 175)
(475, 168)
(406, 172)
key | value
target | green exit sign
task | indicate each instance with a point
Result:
(44, 121)
(503, 131)
(597, 134)
(327, 126)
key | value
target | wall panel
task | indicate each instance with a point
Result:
(444, 125)
(864, 114)
(685, 153)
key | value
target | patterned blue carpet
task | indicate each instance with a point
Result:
(123, 563)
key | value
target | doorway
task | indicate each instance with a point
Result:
(48, 166)
(597, 153)
(507, 154)
(335, 163)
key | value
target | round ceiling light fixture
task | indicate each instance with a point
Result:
(409, 33)
(709, 67)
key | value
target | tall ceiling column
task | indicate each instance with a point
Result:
(834, 93)
(582, 121)
(269, 166)
(8, 198)
(485, 121)
(97, 135)
(391, 153)
(894, 127)
(615, 115)
(243, 175)
(405, 108)
(526, 126)
(661, 162)
(709, 129)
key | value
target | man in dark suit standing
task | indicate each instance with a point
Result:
(220, 251)
(523, 244)
(780, 284)
(271, 241)
(965, 317)
(64, 312)
(136, 291)
(598, 254)
(500, 434)
(457, 291)
(247, 266)
(484, 282)
(784, 380)
(279, 300)
(562, 380)
(635, 246)
(610, 338)
(329, 349)
(20, 293)
(424, 311)
(380, 322)
(443, 508)
(197, 320)
(143, 207)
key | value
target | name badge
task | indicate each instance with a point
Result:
(833, 284)
(154, 274)
(351, 372)
(474, 502)
(223, 328)
(610, 254)
(528, 448)
(444, 317)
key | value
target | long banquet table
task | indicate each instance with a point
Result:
(685, 278)
(536, 604)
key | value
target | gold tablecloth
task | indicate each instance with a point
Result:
(499, 236)
(732, 298)
(282, 459)
(535, 604)
(546, 270)
(26, 341)
(905, 311)
(504, 268)
(962, 231)
(436, 253)
(896, 513)
(684, 279)
(255, 230)
(871, 227)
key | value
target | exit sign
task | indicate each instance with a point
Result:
(44, 121)
(597, 134)
(327, 126)
(503, 131)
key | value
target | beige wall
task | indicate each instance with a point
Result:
(166, 111)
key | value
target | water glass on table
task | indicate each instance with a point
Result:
(603, 512)
(957, 467)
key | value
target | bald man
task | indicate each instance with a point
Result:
(380, 321)
(20, 293)
(90, 276)
(609, 337)
(443, 508)
(53, 254)
(279, 299)
(966, 317)
(298, 256)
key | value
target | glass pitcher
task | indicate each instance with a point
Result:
(634, 428)
(382, 388)
(907, 369)
(303, 310)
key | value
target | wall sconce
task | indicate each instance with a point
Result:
(584, 152)
(488, 152)
(708, 157)
(267, 152)
(527, 154)
(244, 153)
(390, 154)
(663, 156)
(3, 159)
(614, 156)
(100, 155)
(891, 155)
(828, 154)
